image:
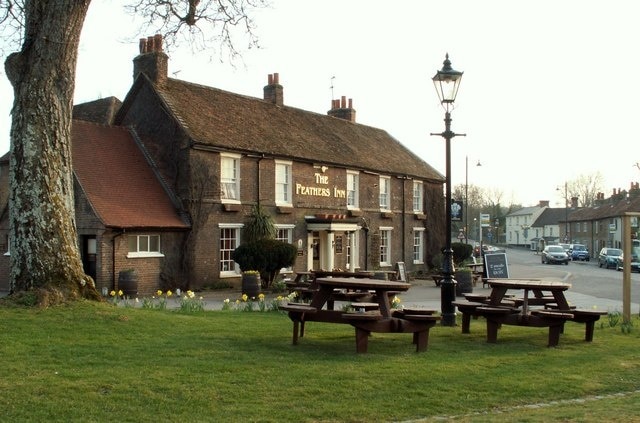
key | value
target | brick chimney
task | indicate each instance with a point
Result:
(152, 60)
(574, 202)
(340, 109)
(273, 91)
(543, 203)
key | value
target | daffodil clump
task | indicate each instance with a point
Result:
(244, 303)
(189, 303)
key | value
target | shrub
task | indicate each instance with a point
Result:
(461, 252)
(267, 256)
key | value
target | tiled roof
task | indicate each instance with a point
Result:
(235, 122)
(117, 179)
(99, 111)
(550, 216)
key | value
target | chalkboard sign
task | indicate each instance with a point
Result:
(401, 274)
(496, 266)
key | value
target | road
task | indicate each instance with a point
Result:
(589, 282)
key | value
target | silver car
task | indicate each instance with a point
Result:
(554, 254)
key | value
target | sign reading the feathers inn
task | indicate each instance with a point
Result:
(321, 191)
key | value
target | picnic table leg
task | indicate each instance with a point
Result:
(421, 339)
(554, 334)
(492, 331)
(295, 332)
(466, 322)
(362, 340)
(588, 330)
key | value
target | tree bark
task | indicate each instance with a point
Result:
(44, 245)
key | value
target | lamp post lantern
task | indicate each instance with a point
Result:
(447, 82)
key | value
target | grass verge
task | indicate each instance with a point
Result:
(96, 362)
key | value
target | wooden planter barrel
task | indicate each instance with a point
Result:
(128, 283)
(251, 285)
(464, 283)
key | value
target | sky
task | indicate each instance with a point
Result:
(536, 101)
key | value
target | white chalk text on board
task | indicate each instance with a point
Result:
(496, 265)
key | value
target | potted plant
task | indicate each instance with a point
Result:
(251, 283)
(128, 282)
(463, 277)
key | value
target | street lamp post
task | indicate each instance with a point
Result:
(447, 82)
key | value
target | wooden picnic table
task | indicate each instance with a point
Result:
(500, 308)
(384, 319)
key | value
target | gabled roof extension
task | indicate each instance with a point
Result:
(118, 180)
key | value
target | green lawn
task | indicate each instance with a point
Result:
(95, 363)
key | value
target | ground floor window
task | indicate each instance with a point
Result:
(418, 245)
(352, 251)
(229, 241)
(284, 233)
(385, 246)
(144, 246)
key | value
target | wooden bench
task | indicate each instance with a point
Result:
(297, 312)
(372, 321)
(589, 318)
(362, 335)
(556, 326)
(437, 279)
(468, 310)
(476, 297)
(493, 314)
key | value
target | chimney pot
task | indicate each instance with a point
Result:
(270, 79)
(157, 42)
(276, 78)
(351, 103)
(143, 45)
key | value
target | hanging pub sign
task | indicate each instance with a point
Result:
(456, 211)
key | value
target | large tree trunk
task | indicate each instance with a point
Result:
(44, 243)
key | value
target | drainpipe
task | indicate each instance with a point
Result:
(113, 258)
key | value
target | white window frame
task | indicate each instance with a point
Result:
(418, 197)
(230, 183)
(283, 182)
(146, 239)
(418, 245)
(353, 188)
(235, 271)
(288, 230)
(385, 245)
(385, 193)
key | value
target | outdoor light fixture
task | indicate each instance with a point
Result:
(447, 82)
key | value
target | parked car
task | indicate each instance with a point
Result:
(635, 264)
(608, 257)
(566, 248)
(554, 254)
(579, 252)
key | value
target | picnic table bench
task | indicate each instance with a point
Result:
(375, 316)
(501, 309)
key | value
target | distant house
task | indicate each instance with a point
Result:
(596, 227)
(168, 188)
(519, 225)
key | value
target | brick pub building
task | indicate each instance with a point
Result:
(166, 179)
